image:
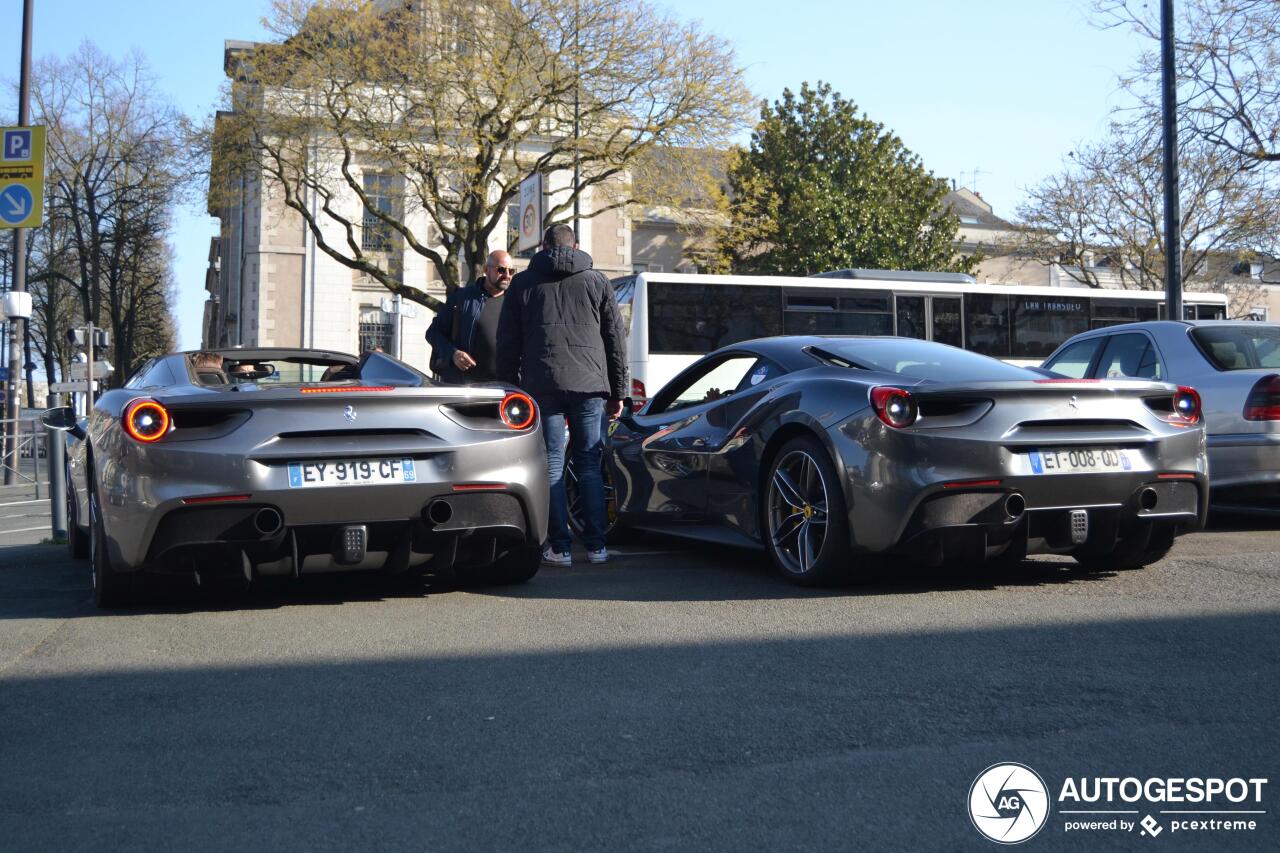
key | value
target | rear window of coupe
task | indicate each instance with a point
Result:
(918, 360)
(1239, 347)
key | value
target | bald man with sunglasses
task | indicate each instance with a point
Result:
(464, 334)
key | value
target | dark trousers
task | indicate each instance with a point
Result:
(584, 416)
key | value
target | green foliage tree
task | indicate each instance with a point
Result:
(823, 187)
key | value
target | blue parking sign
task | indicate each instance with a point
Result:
(17, 144)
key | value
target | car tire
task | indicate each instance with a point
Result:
(516, 566)
(110, 588)
(77, 539)
(803, 502)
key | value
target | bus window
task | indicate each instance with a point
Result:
(1111, 312)
(986, 324)
(911, 317)
(832, 312)
(699, 318)
(1041, 323)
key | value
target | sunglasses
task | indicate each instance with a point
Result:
(511, 270)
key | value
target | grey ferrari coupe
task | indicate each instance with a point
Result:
(246, 462)
(843, 455)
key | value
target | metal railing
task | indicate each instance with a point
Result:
(27, 438)
(25, 506)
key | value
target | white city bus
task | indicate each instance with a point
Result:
(672, 318)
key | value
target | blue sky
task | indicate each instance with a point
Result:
(992, 93)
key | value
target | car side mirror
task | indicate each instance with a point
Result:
(64, 419)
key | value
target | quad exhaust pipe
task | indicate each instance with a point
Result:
(439, 511)
(268, 521)
(1014, 506)
(1148, 498)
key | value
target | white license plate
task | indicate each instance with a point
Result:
(1080, 460)
(350, 472)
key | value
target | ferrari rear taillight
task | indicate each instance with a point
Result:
(1186, 405)
(146, 421)
(895, 407)
(1263, 403)
(517, 410)
(1182, 408)
(638, 395)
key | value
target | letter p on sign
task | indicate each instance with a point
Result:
(17, 144)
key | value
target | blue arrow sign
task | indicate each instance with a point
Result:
(16, 203)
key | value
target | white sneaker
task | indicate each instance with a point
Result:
(601, 556)
(551, 557)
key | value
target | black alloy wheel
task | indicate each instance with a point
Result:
(805, 527)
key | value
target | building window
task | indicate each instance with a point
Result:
(376, 235)
(641, 266)
(375, 329)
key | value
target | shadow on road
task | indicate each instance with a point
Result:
(844, 742)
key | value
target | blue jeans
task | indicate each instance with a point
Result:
(585, 416)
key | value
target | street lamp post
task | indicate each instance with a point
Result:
(1172, 214)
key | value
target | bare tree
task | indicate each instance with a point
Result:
(392, 128)
(115, 169)
(1101, 217)
(1228, 67)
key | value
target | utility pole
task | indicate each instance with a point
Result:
(18, 324)
(577, 87)
(1172, 212)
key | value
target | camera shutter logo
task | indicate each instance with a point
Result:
(1008, 803)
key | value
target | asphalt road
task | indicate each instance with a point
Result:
(678, 698)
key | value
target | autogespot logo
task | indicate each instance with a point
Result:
(1008, 803)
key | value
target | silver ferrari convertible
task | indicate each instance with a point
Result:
(285, 462)
(843, 455)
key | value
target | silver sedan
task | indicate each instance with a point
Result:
(1234, 365)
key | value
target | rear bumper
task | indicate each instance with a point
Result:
(261, 534)
(978, 524)
(892, 481)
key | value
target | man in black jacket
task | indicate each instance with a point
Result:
(464, 334)
(560, 338)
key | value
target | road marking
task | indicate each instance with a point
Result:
(28, 529)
